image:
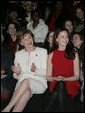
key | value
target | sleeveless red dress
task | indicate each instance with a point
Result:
(63, 66)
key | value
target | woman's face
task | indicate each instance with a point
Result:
(79, 13)
(35, 17)
(51, 37)
(62, 39)
(69, 26)
(76, 40)
(12, 29)
(27, 41)
(13, 15)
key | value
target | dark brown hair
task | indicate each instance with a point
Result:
(46, 44)
(69, 51)
(80, 35)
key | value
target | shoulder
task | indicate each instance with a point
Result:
(29, 24)
(21, 52)
(50, 55)
(76, 56)
(41, 50)
(42, 23)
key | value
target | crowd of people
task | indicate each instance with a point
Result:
(42, 53)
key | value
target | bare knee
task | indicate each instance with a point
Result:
(25, 81)
(26, 85)
(28, 92)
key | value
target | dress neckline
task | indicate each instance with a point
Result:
(60, 51)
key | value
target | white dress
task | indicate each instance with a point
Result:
(37, 80)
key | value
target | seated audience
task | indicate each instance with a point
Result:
(7, 80)
(29, 70)
(68, 24)
(27, 5)
(10, 37)
(63, 74)
(78, 41)
(38, 28)
(79, 20)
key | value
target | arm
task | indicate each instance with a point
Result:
(76, 70)
(49, 68)
(16, 68)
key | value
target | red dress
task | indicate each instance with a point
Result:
(63, 66)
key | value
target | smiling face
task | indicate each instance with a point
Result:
(35, 16)
(13, 15)
(62, 39)
(79, 13)
(69, 26)
(27, 41)
(12, 29)
(77, 41)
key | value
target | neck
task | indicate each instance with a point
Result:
(30, 49)
(35, 24)
(78, 46)
(61, 48)
(50, 45)
(13, 37)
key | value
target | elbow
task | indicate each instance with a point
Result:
(47, 78)
(50, 79)
(77, 78)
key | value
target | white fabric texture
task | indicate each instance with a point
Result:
(37, 80)
(39, 32)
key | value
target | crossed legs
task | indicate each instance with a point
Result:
(19, 98)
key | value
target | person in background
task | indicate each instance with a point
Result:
(27, 5)
(7, 80)
(35, 5)
(68, 24)
(63, 73)
(29, 70)
(38, 28)
(79, 20)
(12, 16)
(47, 10)
(49, 41)
(53, 20)
(10, 37)
(78, 41)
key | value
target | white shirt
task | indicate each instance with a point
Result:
(39, 32)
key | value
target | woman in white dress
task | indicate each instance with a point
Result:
(29, 70)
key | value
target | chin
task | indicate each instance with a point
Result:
(30, 46)
(64, 45)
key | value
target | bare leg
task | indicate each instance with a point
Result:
(21, 103)
(24, 86)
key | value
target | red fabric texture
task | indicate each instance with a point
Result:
(12, 45)
(53, 20)
(64, 67)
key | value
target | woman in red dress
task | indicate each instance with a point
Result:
(63, 69)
